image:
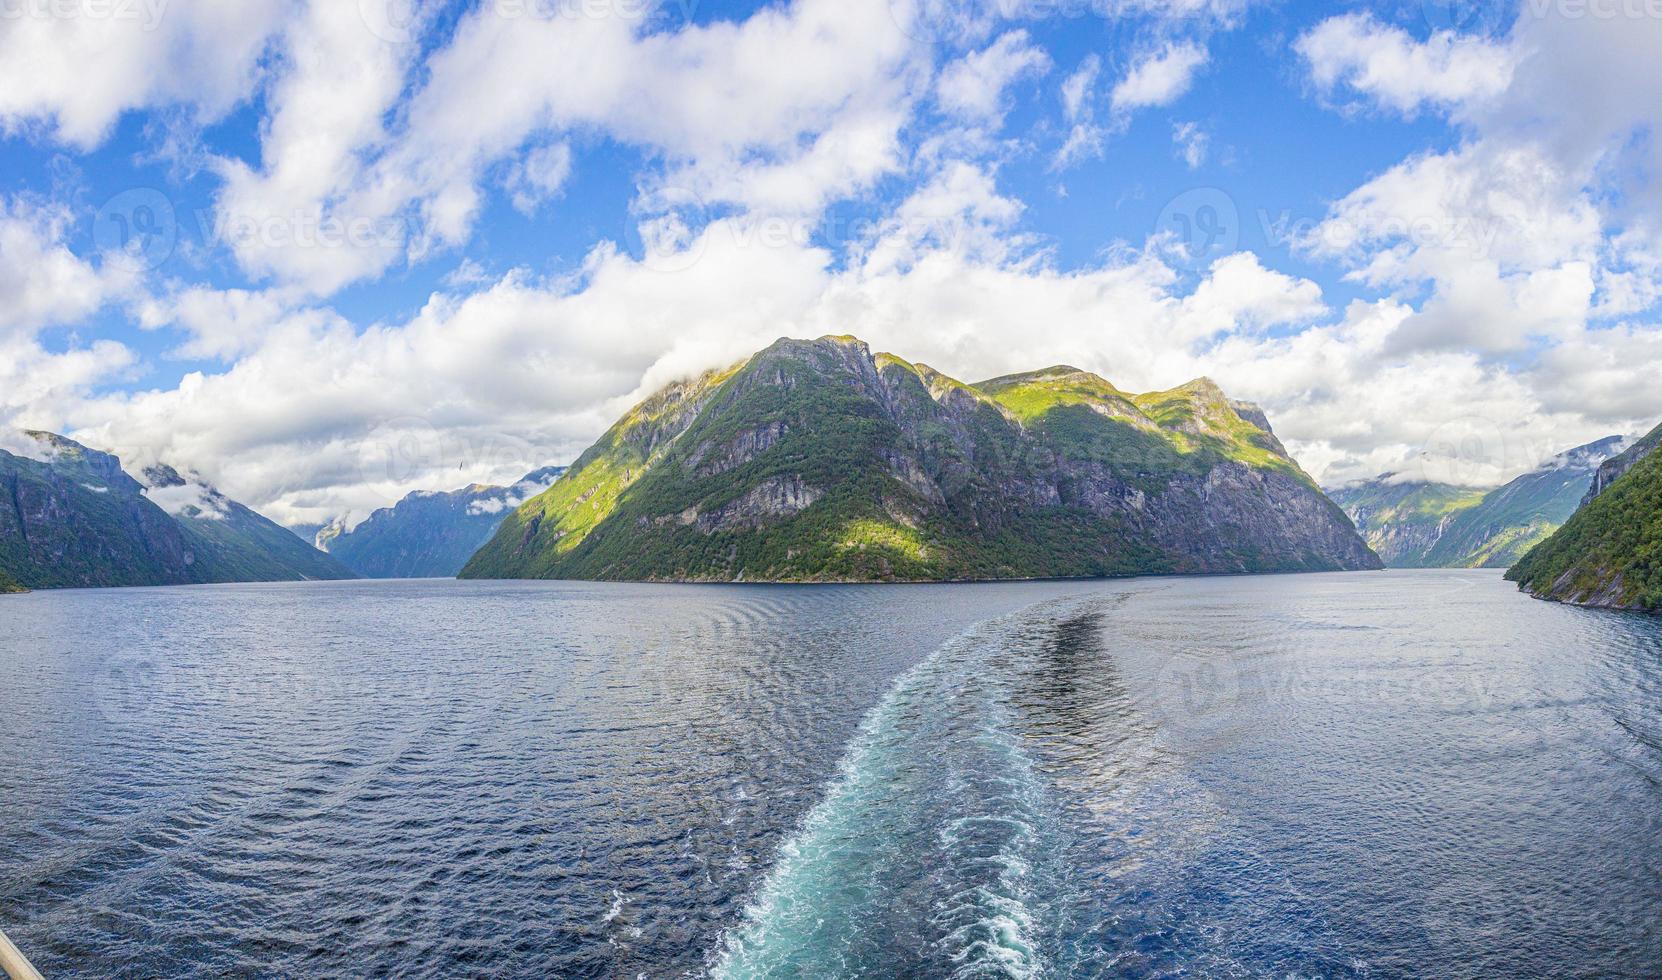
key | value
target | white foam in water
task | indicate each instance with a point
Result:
(935, 803)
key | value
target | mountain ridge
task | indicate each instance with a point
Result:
(821, 461)
(77, 519)
(430, 534)
(1420, 524)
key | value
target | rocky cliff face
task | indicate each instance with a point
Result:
(70, 517)
(430, 535)
(1609, 554)
(1615, 467)
(819, 461)
(1403, 521)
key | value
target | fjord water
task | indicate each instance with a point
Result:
(1392, 774)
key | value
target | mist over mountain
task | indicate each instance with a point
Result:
(1418, 524)
(74, 518)
(429, 534)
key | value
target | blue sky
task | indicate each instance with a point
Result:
(281, 243)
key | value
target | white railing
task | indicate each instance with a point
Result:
(13, 961)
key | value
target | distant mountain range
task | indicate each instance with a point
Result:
(77, 519)
(1415, 524)
(429, 534)
(818, 461)
(1610, 553)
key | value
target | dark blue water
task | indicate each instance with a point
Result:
(1398, 774)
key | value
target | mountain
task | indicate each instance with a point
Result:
(1610, 553)
(1402, 521)
(1512, 519)
(231, 542)
(430, 535)
(77, 519)
(1433, 525)
(9, 585)
(817, 461)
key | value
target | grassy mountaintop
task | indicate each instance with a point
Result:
(818, 461)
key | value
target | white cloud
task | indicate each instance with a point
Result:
(1509, 244)
(1085, 137)
(1191, 142)
(973, 86)
(42, 282)
(224, 323)
(19, 443)
(188, 500)
(781, 112)
(539, 176)
(303, 215)
(1159, 77)
(1397, 72)
(72, 69)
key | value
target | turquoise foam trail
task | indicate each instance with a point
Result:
(934, 844)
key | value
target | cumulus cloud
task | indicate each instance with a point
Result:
(72, 69)
(1159, 77)
(1388, 66)
(780, 113)
(42, 282)
(974, 85)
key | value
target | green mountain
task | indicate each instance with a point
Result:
(1610, 553)
(77, 519)
(9, 585)
(430, 535)
(816, 461)
(1434, 525)
(1403, 521)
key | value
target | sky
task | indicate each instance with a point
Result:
(321, 253)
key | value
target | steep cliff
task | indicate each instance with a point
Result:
(1403, 521)
(817, 461)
